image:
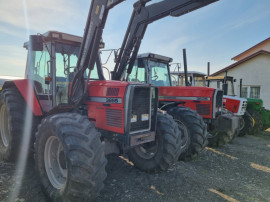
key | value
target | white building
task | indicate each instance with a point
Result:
(253, 67)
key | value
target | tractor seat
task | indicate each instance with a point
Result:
(38, 87)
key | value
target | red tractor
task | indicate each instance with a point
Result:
(231, 103)
(178, 100)
(81, 116)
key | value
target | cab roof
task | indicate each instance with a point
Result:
(63, 37)
(218, 77)
(195, 73)
(155, 56)
(58, 36)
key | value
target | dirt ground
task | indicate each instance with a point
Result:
(239, 171)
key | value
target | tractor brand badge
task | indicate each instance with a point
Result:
(105, 100)
(112, 100)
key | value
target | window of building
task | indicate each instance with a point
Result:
(250, 91)
(254, 92)
(244, 92)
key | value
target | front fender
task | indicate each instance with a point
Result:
(26, 89)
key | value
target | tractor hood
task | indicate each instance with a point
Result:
(189, 91)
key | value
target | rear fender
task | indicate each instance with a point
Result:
(165, 106)
(27, 91)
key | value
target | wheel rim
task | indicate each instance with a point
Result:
(5, 135)
(242, 123)
(185, 135)
(55, 162)
(147, 150)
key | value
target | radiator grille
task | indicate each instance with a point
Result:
(203, 109)
(140, 105)
(244, 106)
(112, 91)
(114, 118)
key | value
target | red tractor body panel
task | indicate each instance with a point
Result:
(199, 99)
(235, 105)
(26, 89)
(105, 104)
(231, 105)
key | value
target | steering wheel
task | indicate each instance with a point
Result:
(67, 69)
(155, 77)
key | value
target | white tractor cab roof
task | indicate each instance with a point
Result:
(189, 73)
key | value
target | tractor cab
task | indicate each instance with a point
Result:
(151, 68)
(224, 83)
(194, 78)
(155, 69)
(51, 61)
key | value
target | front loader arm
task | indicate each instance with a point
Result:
(96, 20)
(141, 17)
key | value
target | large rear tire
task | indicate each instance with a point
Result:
(12, 119)
(248, 121)
(70, 158)
(164, 151)
(193, 123)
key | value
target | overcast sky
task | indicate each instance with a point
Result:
(214, 34)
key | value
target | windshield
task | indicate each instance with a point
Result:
(138, 74)
(219, 85)
(199, 81)
(66, 60)
(159, 73)
(230, 88)
(214, 84)
(174, 80)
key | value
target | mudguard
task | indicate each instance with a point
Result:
(26, 89)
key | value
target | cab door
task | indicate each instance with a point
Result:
(66, 57)
(38, 70)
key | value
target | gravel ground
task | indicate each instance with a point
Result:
(239, 171)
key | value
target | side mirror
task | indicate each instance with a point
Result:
(234, 80)
(36, 43)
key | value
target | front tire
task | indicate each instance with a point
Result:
(248, 120)
(70, 158)
(160, 154)
(196, 139)
(12, 118)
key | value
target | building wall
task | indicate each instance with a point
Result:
(265, 46)
(254, 72)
